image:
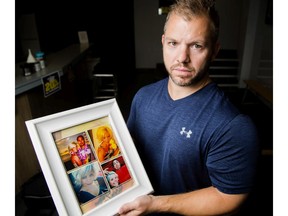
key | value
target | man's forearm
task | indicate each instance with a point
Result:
(208, 201)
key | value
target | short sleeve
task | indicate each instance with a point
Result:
(233, 155)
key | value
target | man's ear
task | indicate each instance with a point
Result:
(216, 50)
(162, 39)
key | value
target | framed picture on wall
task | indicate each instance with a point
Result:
(88, 159)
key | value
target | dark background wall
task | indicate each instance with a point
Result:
(109, 25)
(128, 33)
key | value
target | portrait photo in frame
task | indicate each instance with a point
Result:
(88, 159)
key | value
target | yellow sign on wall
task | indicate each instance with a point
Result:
(51, 84)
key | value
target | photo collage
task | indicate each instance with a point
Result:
(94, 162)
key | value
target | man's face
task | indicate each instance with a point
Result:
(187, 49)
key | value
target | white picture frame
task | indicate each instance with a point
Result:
(51, 135)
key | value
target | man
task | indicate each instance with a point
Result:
(200, 153)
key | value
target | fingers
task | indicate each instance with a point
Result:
(125, 209)
(137, 207)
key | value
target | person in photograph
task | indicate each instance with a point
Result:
(112, 179)
(85, 152)
(75, 160)
(200, 152)
(87, 183)
(108, 146)
(121, 171)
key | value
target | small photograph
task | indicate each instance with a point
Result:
(116, 172)
(84, 150)
(88, 182)
(75, 150)
(105, 144)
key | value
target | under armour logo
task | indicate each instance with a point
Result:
(188, 133)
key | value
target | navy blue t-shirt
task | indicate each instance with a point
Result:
(194, 142)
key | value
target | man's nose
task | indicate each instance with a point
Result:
(183, 56)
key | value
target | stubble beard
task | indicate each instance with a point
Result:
(186, 81)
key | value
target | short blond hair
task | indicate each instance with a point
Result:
(101, 131)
